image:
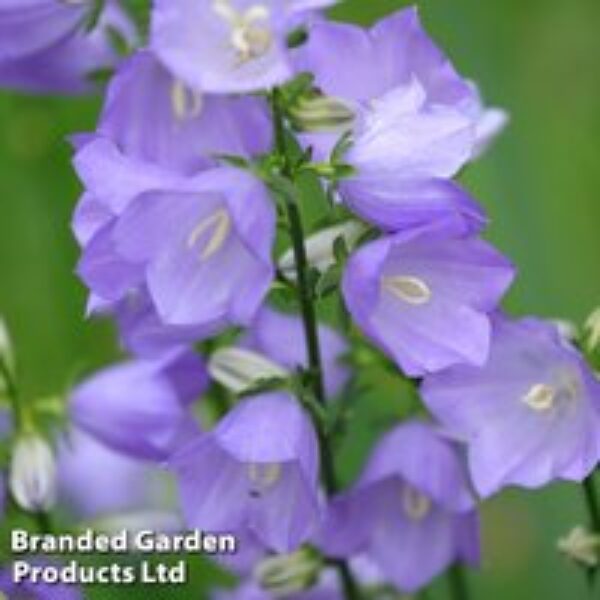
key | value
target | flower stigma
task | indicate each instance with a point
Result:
(216, 227)
(411, 290)
(185, 103)
(416, 506)
(250, 35)
(263, 476)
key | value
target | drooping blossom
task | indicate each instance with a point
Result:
(281, 338)
(417, 121)
(530, 415)
(141, 408)
(45, 45)
(228, 46)
(424, 296)
(94, 480)
(411, 512)
(257, 471)
(205, 251)
(189, 129)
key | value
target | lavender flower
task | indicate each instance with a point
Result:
(224, 46)
(411, 512)
(188, 127)
(281, 338)
(205, 250)
(94, 480)
(424, 295)
(38, 590)
(529, 415)
(417, 121)
(140, 408)
(44, 45)
(256, 471)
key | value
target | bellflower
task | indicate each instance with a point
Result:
(411, 512)
(95, 480)
(45, 47)
(529, 415)
(281, 338)
(424, 295)
(227, 46)
(188, 128)
(417, 121)
(140, 408)
(256, 471)
(205, 251)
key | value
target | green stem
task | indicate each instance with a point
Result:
(310, 325)
(457, 582)
(592, 503)
(13, 394)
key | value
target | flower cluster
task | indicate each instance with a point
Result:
(192, 226)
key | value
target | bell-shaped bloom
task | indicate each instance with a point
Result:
(141, 408)
(281, 338)
(94, 480)
(205, 250)
(530, 415)
(227, 46)
(46, 47)
(417, 121)
(424, 296)
(257, 471)
(411, 512)
(188, 128)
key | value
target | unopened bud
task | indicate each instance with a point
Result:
(322, 113)
(289, 574)
(33, 474)
(240, 370)
(6, 355)
(320, 247)
(592, 330)
(582, 546)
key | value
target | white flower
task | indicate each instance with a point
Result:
(33, 474)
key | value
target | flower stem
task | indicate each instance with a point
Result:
(310, 324)
(592, 503)
(457, 582)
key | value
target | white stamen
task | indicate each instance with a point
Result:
(263, 476)
(219, 224)
(250, 35)
(186, 104)
(540, 397)
(416, 505)
(409, 289)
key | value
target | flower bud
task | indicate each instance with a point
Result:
(33, 474)
(592, 330)
(289, 573)
(322, 113)
(320, 247)
(240, 370)
(582, 546)
(6, 355)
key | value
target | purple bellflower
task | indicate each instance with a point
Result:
(424, 295)
(227, 46)
(530, 415)
(281, 338)
(45, 47)
(188, 128)
(257, 471)
(38, 590)
(141, 408)
(411, 512)
(417, 121)
(94, 480)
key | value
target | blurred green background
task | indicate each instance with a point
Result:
(541, 185)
